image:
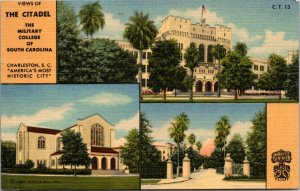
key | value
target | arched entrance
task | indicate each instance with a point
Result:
(216, 87)
(103, 163)
(208, 86)
(199, 86)
(113, 164)
(94, 163)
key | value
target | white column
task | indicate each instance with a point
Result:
(246, 167)
(205, 53)
(186, 167)
(108, 163)
(169, 169)
(228, 166)
(99, 162)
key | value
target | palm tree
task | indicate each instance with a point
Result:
(199, 146)
(241, 48)
(92, 18)
(192, 139)
(141, 33)
(192, 59)
(222, 130)
(176, 132)
(219, 53)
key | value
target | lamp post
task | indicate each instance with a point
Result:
(224, 152)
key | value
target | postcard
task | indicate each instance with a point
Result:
(173, 94)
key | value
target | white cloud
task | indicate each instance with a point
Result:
(194, 15)
(120, 142)
(240, 127)
(242, 35)
(128, 124)
(8, 137)
(201, 134)
(274, 42)
(44, 115)
(161, 134)
(107, 99)
(113, 27)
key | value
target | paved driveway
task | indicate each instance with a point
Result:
(209, 179)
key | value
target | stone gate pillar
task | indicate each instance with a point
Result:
(246, 167)
(186, 167)
(228, 166)
(169, 169)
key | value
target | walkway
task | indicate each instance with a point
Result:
(209, 179)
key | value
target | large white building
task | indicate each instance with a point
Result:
(44, 146)
(204, 37)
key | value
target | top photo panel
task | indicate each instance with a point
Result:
(178, 51)
(183, 51)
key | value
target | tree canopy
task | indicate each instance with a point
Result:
(75, 152)
(8, 154)
(236, 148)
(236, 73)
(256, 144)
(164, 65)
(222, 130)
(292, 83)
(91, 18)
(138, 151)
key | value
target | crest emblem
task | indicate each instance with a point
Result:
(282, 170)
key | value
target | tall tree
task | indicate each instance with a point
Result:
(241, 48)
(192, 60)
(67, 42)
(8, 154)
(141, 32)
(75, 152)
(91, 18)
(292, 83)
(192, 139)
(199, 146)
(138, 151)
(275, 78)
(222, 131)
(256, 144)
(177, 132)
(236, 73)
(236, 148)
(219, 53)
(164, 64)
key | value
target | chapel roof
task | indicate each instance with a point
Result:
(42, 130)
(103, 150)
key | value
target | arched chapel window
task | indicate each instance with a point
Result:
(20, 141)
(97, 135)
(41, 142)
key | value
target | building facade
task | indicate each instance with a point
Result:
(44, 146)
(166, 150)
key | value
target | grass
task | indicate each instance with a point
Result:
(185, 100)
(68, 182)
(145, 182)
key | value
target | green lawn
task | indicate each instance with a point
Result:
(145, 182)
(185, 100)
(29, 182)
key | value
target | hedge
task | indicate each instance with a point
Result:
(153, 172)
(46, 171)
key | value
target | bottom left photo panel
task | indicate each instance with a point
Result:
(70, 136)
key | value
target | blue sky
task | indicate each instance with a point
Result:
(203, 118)
(59, 106)
(264, 29)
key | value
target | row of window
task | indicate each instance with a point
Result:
(145, 55)
(97, 138)
(261, 68)
(203, 37)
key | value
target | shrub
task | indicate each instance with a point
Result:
(41, 166)
(29, 164)
(46, 171)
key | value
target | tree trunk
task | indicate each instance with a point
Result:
(177, 160)
(191, 87)
(219, 89)
(164, 94)
(139, 80)
(235, 94)
(279, 95)
(175, 93)
(75, 170)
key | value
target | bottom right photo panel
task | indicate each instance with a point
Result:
(219, 146)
